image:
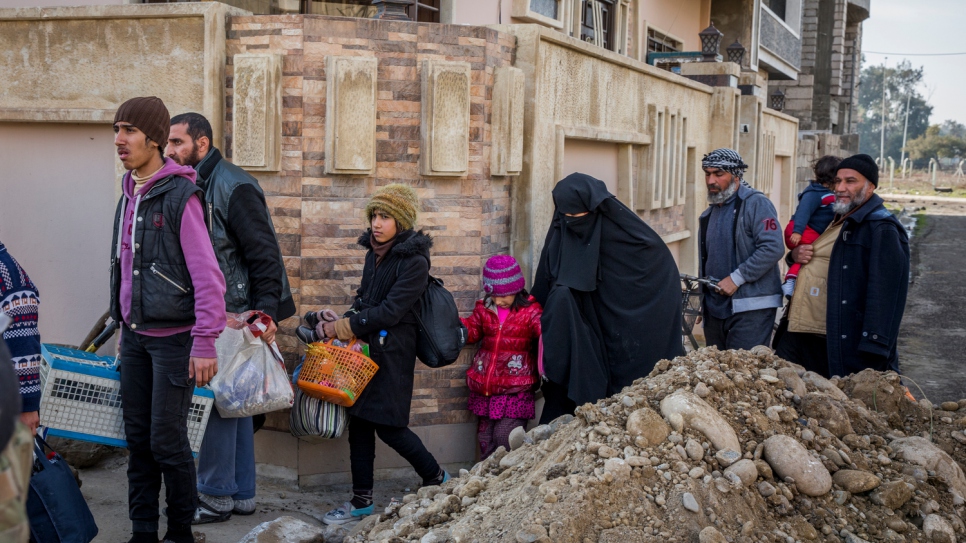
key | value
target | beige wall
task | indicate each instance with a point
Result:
(54, 3)
(682, 19)
(476, 12)
(56, 213)
(595, 158)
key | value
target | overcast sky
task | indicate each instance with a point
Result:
(925, 26)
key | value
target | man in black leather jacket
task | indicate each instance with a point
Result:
(249, 256)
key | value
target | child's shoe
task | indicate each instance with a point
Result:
(788, 288)
(346, 514)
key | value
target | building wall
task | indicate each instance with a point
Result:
(73, 67)
(56, 217)
(682, 19)
(319, 216)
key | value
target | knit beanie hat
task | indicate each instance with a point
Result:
(399, 201)
(864, 164)
(149, 115)
(502, 276)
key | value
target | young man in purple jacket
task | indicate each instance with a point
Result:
(167, 290)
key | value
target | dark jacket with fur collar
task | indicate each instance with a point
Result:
(385, 302)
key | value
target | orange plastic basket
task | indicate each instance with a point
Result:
(335, 374)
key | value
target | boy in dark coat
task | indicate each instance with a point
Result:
(395, 275)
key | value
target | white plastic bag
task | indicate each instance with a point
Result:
(251, 376)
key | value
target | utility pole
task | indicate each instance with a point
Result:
(905, 131)
(882, 130)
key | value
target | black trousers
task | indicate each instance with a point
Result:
(741, 330)
(155, 397)
(807, 350)
(362, 451)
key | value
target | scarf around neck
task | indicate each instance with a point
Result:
(381, 249)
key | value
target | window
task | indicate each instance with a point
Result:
(597, 22)
(777, 7)
(424, 11)
(658, 42)
(547, 8)
(338, 8)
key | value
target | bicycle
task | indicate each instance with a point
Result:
(691, 305)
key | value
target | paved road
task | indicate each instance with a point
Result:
(932, 340)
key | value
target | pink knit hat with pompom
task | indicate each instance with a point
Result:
(502, 276)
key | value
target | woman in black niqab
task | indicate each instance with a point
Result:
(611, 296)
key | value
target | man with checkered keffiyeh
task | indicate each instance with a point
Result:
(19, 300)
(741, 243)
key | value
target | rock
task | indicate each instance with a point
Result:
(824, 385)
(745, 470)
(766, 489)
(855, 481)
(286, 530)
(620, 534)
(830, 413)
(764, 470)
(436, 536)
(556, 423)
(922, 452)
(761, 350)
(540, 433)
(532, 533)
(792, 381)
(893, 494)
(950, 406)
(702, 390)
(619, 468)
(511, 460)
(690, 503)
(726, 458)
(807, 435)
(711, 535)
(694, 450)
(771, 380)
(841, 497)
(332, 534)
(637, 461)
(849, 537)
(696, 473)
(937, 530)
(608, 452)
(773, 413)
(82, 454)
(684, 409)
(647, 428)
(473, 487)
(896, 524)
(788, 458)
(518, 438)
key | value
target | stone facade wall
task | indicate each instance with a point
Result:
(319, 216)
(823, 93)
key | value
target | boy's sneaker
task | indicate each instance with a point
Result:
(346, 514)
(437, 481)
(306, 335)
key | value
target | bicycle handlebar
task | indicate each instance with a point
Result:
(707, 281)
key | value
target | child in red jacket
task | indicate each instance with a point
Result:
(503, 375)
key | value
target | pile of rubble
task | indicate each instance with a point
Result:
(716, 446)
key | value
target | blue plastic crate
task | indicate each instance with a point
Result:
(81, 399)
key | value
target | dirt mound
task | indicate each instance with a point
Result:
(731, 446)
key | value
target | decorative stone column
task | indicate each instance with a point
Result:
(392, 10)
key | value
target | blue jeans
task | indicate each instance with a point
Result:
(741, 330)
(155, 397)
(226, 463)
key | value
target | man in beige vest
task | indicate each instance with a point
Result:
(853, 288)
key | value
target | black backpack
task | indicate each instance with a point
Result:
(441, 333)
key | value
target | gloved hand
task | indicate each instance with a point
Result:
(326, 315)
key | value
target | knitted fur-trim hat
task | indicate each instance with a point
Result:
(399, 201)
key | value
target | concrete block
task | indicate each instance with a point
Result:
(350, 115)
(257, 114)
(445, 118)
(506, 150)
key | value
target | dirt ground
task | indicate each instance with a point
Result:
(105, 488)
(932, 340)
